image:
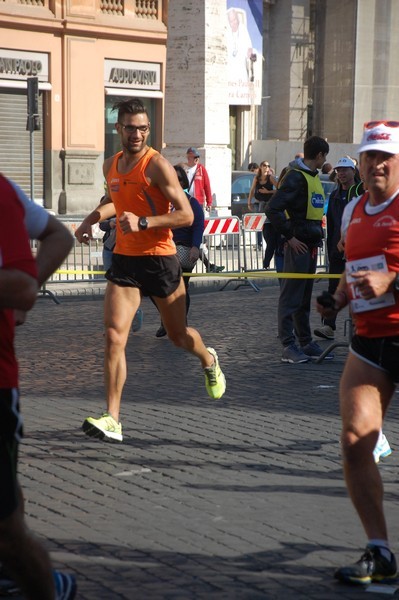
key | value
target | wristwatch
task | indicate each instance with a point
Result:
(143, 223)
(396, 283)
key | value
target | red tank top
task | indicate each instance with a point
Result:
(132, 192)
(370, 236)
(15, 253)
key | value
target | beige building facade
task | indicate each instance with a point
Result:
(328, 66)
(87, 55)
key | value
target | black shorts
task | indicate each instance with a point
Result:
(10, 436)
(382, 353)
(154, 275)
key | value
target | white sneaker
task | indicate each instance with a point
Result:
(324, 331)
(382, 449)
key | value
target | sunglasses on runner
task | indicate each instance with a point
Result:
(372, 124)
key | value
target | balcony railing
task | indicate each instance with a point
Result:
(142, 9)
(113, 7)
(147, 9)
(27, 2)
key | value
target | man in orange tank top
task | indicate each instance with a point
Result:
(142, 185)
(371, 284)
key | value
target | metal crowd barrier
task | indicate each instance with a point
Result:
(229, 243)
(222, 238)
(83, 264)
(252, 227)
(252, 239)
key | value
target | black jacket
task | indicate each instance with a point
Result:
(336, 204)
(291, 198)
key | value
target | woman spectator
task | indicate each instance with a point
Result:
(262, 189)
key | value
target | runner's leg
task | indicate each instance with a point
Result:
(120, 306)
(173, 314)
(365, 393)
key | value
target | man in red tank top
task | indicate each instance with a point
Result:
(142, 185)
(371, 284)
(21, 555)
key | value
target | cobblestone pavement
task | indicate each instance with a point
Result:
(241, 498)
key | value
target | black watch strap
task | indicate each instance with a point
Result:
(143, 223)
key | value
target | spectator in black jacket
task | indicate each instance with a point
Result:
(296, 211)
(348, 187)
(187, 239)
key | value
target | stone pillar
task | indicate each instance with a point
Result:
(196, 95)
(377, 77)
(289, 67)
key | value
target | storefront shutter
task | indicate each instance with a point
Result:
(15, 142)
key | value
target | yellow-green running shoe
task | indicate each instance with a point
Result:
(215, 381)
(103, 428)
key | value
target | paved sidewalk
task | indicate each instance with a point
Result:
(241, 498)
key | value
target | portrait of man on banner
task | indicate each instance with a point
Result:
(244, 51)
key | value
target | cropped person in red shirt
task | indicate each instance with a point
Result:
(23, 557)
(371, 284)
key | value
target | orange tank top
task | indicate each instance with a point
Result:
(131, 192)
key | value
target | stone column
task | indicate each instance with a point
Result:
(196, 95)
(289, 67)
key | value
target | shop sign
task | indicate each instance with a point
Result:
(133, 75)
(15, 64)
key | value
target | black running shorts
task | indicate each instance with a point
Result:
(382, 353)
(10, 436)
(153, 275)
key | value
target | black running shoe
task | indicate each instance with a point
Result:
(215, 268)
(161, 332)
(8, 587)
(372, 566)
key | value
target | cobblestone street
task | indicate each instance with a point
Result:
(241, 498)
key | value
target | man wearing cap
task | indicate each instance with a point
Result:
(199, 184)
(371, 284)
(347, 189)
(200, 188)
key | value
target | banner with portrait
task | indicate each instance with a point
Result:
(244, 40)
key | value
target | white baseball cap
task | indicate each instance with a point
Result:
(346, 163)
(380, 135)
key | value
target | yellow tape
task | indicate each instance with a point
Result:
(229, 275)
(267, 275)
(78, 272)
